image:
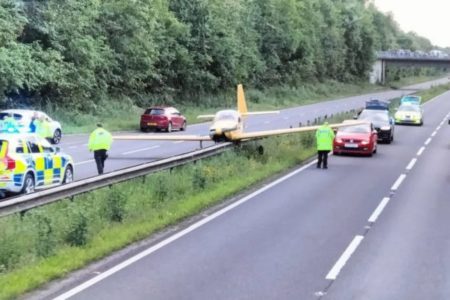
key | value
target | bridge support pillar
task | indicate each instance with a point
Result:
(378, 74)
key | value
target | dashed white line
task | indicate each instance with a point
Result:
(334, 272)
(140, 150)
(84, 162)
(427, 141)
(434, 133)
(373, 218)
(411, 164)
(438, 128)
(178, 142)
(398, 182)
(419, 153)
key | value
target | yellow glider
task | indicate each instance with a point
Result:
(228, 126)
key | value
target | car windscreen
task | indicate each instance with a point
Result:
(364, 128)
(374, 116)
(226, 115)
(5, 114)
(409, 108)
(154, 111)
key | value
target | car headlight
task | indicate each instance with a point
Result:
(365, 142)
(385, 128)
(339, 140)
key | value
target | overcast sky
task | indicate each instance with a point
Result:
(428, 18)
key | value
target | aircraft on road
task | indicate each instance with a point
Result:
(227, 126)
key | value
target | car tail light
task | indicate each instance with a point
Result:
(9, 163)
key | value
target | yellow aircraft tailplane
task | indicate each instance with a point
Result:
(241, 103)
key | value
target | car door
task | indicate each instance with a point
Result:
(177, 117)
(53, 164)
(37, 160)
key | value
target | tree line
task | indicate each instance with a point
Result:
(78, 52)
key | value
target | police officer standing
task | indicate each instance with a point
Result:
(324, 138)
(100, 142)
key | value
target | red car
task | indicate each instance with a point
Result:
(356, 139)
(162, 118)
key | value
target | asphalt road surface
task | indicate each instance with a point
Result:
(366, 228)
(130, 153)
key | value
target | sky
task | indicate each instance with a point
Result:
(428, 18)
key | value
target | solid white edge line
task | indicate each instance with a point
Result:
(411, 164)
(398, 182)
(140, 150)
(419, 153)
(178, 142)
(373, 218)
(84, 162)
(176, 236)
(427, 141)
(334, 272)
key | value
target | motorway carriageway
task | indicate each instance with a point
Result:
(366, 228)
(130, 153)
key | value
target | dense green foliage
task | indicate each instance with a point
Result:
(83, 53)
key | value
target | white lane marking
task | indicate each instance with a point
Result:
(334, 272)
(84, 162)
(427, 141)
(373, 218)
(419, 153)
(140, 150)
(178, 142)
(398, 182)
(73, 147)
(411, 164)
(438, 128)
(285, 118)
(434, 133)
(177, 235)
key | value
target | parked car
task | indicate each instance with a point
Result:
(162, 118)
(24, 118)
(28, 162)
(382, 122)
(409, 114)
(356, 139)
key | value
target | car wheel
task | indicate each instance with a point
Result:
(68, 175)
(375, 150)
(56, 136)
(28, 184)
(183, 127)
(169, 127)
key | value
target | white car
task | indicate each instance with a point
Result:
(24, 118)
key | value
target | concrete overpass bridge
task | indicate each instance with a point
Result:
(405, 59)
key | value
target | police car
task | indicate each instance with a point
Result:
(24, 117)
(29, 162)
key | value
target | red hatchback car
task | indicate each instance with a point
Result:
(162, 118)
(356, 139)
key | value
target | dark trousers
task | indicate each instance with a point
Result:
(322, 156)
(100, 157)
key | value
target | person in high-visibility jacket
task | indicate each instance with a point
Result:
(42, 127)
(100, 142)
(324, 139)
(10, 124)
